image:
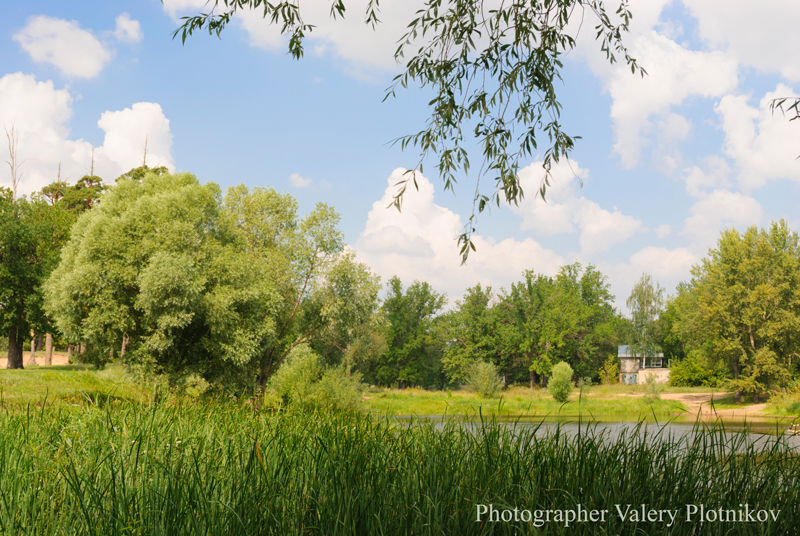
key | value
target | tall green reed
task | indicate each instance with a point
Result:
(220, 468)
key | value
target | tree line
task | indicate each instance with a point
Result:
(174, 278)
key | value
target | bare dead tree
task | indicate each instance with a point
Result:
(144, 158)
(14, 163)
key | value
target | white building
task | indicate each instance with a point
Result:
(634, 368)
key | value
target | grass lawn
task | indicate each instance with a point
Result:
(68, 383)
(518, 401)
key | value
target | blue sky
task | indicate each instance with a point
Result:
(667, 161)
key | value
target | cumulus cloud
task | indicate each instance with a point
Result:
(298, 181)
(175, 8)
(763, 146)
(762, 35)
(674, 73)
(41, 115)
(566, 211)
(667, 266)
(128, 30)
(131, 131)
(663, 230)
(361, 48)
(421, 243)
(713, 174)
(716, 211)
(64, 44)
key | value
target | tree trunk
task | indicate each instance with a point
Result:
(32, 358)
(532, 379)
(39, 343)
(48, 349)
(505, 381)
(124, 345)
(14, 349)
(83, 348)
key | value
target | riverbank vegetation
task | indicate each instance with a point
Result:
(185, 466)
(213, 293)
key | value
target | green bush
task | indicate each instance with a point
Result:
(694, 371)
(484, 379)
(560, 384)
(653, 387)
(609, 373)
(303, 381)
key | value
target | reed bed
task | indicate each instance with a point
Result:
(121, 468)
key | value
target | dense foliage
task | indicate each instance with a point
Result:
(216, 468)
(741, 310)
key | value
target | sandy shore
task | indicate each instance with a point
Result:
(701, 403)
(58, 359)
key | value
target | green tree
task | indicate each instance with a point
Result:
(469, 333)
(743, 306)
(542, 320)
(80, 197)
(414, 353)
(494, 72)
(325, 296)
(161, 265)
(31, 235)
(645, 305)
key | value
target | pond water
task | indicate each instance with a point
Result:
(761, 432)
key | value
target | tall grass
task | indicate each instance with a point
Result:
(213, 468)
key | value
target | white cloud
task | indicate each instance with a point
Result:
(763, 146)
(762, 35)
(127, 132)
(663, 230)
(128, 30)
(361, 48)
(298, 181)
(64, 44)
(174, 8)
(674, 73)
(667, 266)
(565, 211)
(421, 243)
(715, 175)
(716, 211)
(41, 116)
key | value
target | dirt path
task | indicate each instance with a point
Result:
(58, 359)
(701, 403)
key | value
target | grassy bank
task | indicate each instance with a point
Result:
(186, 467)
(518, 401)
(67, 383)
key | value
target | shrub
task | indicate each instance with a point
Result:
(484, 379)
(337, 390)
(560, 384)
(609, 373)
(694, 371)
(303, 381)
(293, 381)
(653, 387)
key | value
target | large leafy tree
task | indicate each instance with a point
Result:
(31, 234)
(743, 305)
(326, 297)
(493, 68)
(543, 320)
(645, 305)
(161, 265)
(470, 334)
(414, 352)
